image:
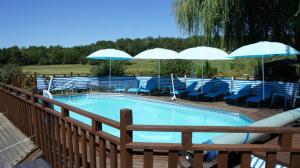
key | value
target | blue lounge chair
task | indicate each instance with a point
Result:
(122, 88)
(219, 92)
(242, 93)
(181, 92)
(259, 98)
(207, 87)
(136, 89)
(149, 88)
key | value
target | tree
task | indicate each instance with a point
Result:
(240, 22)
(177, 67)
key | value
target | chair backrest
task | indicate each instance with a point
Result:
(138, 83)
(207, 87)
(245, 90)
(192, 87)
(151, 84)
(268, 91)
(222, 88)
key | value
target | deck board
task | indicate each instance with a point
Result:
(10, 135)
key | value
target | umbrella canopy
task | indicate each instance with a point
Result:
(109, 54)
(158, 54)
(203, 53)
(264, 49)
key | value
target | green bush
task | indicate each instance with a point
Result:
(8, 71)
(209, 70)
(177, 67)
(102, 69)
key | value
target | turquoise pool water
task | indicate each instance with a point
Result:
(152, 112)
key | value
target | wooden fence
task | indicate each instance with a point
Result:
(67, 142)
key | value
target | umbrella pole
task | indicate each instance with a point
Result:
(202, 76)
(159, 74)
(109, 74)
(263, 77)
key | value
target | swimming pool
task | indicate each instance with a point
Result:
(152, 112)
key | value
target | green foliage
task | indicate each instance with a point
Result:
(102, 69)
(177, 67)
(240, 22)
(8, 71)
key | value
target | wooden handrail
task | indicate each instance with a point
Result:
(228, 129)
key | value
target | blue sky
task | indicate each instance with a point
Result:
(80, 22)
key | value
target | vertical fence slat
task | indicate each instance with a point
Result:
(58, 139)
(54, 141)
(148, 158)
(76, 147)
(92, 150)
(172, 159)
(63, 140)
(70, 144)
(294, 160)
(246, 160)
(102, 153)
(113, 154)
(222, 159)
(198, 159)
(83, 148)
(271, 159)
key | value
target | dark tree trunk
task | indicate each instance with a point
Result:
(297, 35)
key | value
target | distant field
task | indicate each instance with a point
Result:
(142, 67)
(138, 68)
(57, 69)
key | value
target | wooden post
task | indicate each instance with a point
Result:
(285, 140)
(294, 160)
(186, 139)
(126, 137)
(64, 112)
(71, 74)
(97, 126)
(34, 83)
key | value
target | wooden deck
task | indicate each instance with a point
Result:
(14, 145)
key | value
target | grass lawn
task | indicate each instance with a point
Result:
(58, 69)
(138, 67)
(141, 67)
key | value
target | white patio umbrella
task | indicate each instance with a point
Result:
(264, 49)
(157, 54)
(203, 53)
(109, 54)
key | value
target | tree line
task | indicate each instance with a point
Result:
(41, 55)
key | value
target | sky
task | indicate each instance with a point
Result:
(80, 22)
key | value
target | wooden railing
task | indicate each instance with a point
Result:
(67, 142)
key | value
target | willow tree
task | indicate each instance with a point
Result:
(240, 22)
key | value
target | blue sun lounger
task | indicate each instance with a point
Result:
(136, 89)
(220, 91)
(148, 89)
(180, 92)
(259, 98)
(207, 87)
(242, 93)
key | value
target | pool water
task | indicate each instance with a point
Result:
(151, 112)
